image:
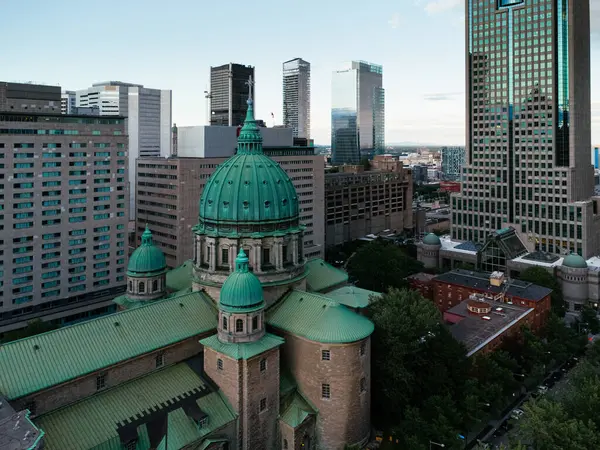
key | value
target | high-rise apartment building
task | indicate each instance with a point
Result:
(453, 159)
(296, 97)
(63, 209)
(169, 189)
(149, 118)
(229, 92)
(357, 112)
(68, 102)
(528, 125)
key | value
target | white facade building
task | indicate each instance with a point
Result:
(68, 102)
(149, 113)
(296, 97)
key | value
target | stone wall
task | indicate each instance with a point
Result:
(344, 418)
(62, 394)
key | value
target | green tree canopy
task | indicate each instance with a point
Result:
(380, 265)
(589, 319)
(34, 327)
(540, 276)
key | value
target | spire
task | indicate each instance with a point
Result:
(250, 139)
(147, 236)
(241, 262)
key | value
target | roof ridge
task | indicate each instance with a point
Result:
(101, 318)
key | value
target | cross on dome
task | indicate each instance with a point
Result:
(250, 84)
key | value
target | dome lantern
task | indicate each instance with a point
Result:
(146, 271)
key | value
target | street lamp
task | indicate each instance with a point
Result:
(431, 444)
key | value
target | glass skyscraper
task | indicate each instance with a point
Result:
(528, 125)
(296, 97)
(357, 113)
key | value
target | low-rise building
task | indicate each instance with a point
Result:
(483, 324)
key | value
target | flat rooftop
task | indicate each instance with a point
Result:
(480, 281)
(475, 332)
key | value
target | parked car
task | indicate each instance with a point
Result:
(542, 389)
(517, 414)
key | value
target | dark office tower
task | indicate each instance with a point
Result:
(228, 93)
(528, 125)
(296, 97)
(357, 112)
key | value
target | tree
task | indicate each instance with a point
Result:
(364, 161)
(420, 382)
(540, 276)
(34, 327)
(547, 426)
(589, 318)
(380, 265)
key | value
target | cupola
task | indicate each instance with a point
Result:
(146, 271)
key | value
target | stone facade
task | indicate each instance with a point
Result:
(344, 418)
(63, 394)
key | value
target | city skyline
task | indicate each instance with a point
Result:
(181, 56)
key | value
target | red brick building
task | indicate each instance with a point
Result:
(422, 282)
(452, 288)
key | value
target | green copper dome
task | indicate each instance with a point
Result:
(147, 259)
(432, 239)
(575, 261)
(242, 291)
(249, 193)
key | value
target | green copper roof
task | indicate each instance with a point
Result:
(432, 239)
(575, 261)
(180, 277)
(241, 290)
(92, 423)
(147, 259)
(245, 350)
(40, 361)
(322, 276)
(249, 188)
(352, 296)
(297, 411)
(318, 319)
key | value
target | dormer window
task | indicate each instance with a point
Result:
(202, 422)
(131, 445)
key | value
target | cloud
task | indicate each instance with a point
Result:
(441, 96)
(438, 6)
(395, 21)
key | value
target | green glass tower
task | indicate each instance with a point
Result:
(528, 125)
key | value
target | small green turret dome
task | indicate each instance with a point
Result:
(249, 192)
(575, 261)
(147, 259)
(432, 239)
(242, 291)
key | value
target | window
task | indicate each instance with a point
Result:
(130, 285)
(155, 286)
(325, 355)
(160, 360)
(363, 348)
(131, 445)
(325, 391)
(255, 323)
(219, 364)
(142, 287)
(100, 381)
(263, 404)
(224, 256)
(224, 323)
(203, 422)
(239, 326)
(266, 256)
(285, 444)
(263, 365)
(363, 384)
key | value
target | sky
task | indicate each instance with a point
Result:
(172, 45)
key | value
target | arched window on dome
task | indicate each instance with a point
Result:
(130, 285)
(155, 286)
(142, 287)
(224, 323)
(239, 326)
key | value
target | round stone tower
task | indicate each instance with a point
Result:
(429, 253)
(146, 271)
(574, 276)
(249, 203)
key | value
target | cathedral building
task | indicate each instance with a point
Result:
(245, 347)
